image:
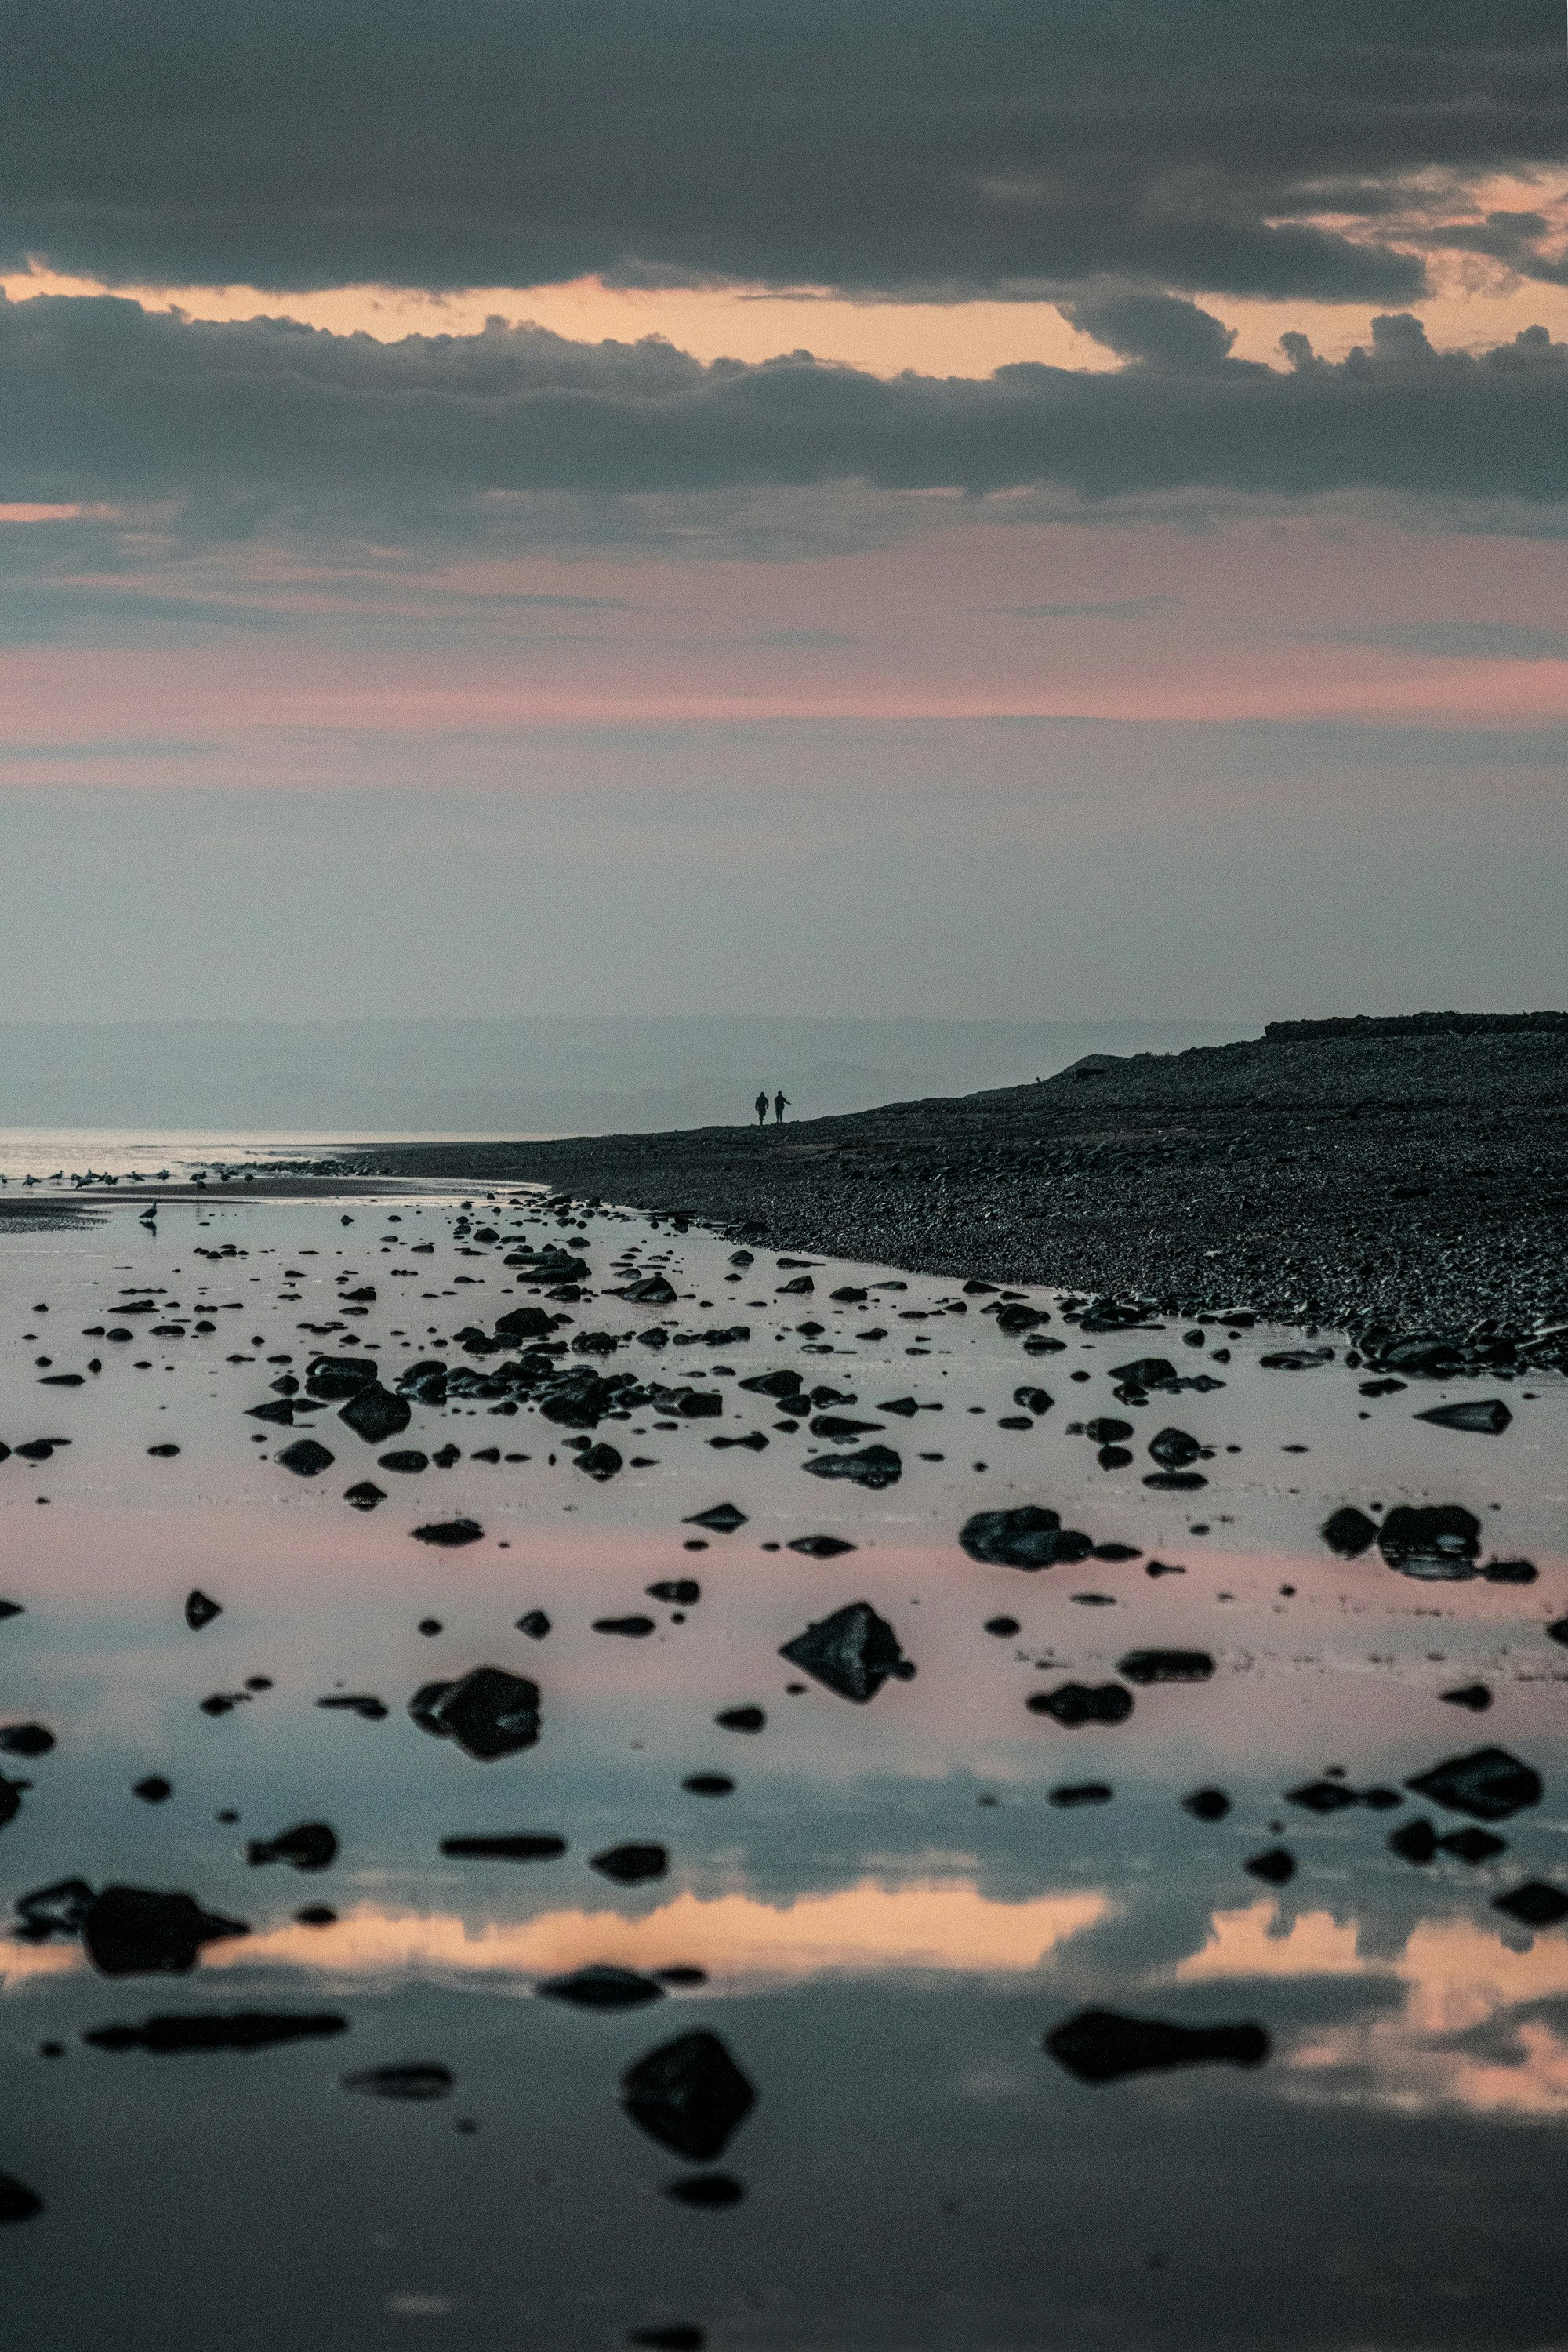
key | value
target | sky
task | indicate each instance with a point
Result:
(1005, 509)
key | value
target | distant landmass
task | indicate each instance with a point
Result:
(527, 1073)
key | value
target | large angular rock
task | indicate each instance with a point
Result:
(1434, 1542)
(306, 1458)
(488, 1714)
(1101, 2045)
(854, 1652)
(1487, 1415)
(332, 1378)
(690, 2096)
(1488, 1784)
(374, 1413)
(875, 1466)
(1028, 1537)
(132, 1931)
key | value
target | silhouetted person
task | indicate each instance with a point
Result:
(781, 1104)
(760, 1107)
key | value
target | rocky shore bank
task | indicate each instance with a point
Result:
(1390, 1179)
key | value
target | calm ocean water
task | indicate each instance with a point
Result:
(608, 1828)
(127, 1152)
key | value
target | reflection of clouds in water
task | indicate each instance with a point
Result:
(866, 1927)
(1459, 2040)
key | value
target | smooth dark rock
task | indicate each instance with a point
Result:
(1081, 1792)
(1276, 1867)
(245, 2029)
(679, 1592)
(1173, 1449)
(709, 1784)
(200, 1610)
(1534, 1904)
(690, 2096)
(1146, 1666)
(1322, 1797)
(707, 2191)
(631, 1865)
(363, 1703)
(1475, 1696)
(1206, 1804)
(1487, 1416)
(741, 1718)
(138, 1931)
(854, 1652)
(306, 1458)
(636, 1628)
(1414, 1842)
(1101, 2045)
(17, 2201)
(405, 1461)
(602, 1987)
(25, 1739)
(449, 1535)
(1072, 1705)
(1347, 1532)
(522, 1846)
(599, 1462)
(153, 1791)
(311, 1845)
(1028, 1537)
(1435, 1542)
(535, 1623)
(374, 1413)
(364, 1494)
(721, 1519)
(834, 1546)
(488, 1714)
(333, 1378)
(1472, 1846)
(875, 1466)
(1490, 1785)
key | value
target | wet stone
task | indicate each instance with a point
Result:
(1534, 1904)
(1073, 1704)
(1488, 1784)
(602, 1987)
(1472, 1846)
(25, 1739)
(153, 1791)
(405, 1461)
(310, 1845)
(1275, 1868)
(1349, 1532)
(690, 2096)
(835, 1547)
(374, 1414)
(1437, 1543)
(1081, 1792)
(1147, 1667)
(1487, 1416)
(1474, 1695)
(854, 1652)
(1101, 2045)
(709, 1784)
(17, 2201)
(488, 1714)
(1206, 1804)
(635, 1628)
(1414, 1842)
(706, 2192)
(874, 1467)
(364, 1494)
(741, 1718)
(449, 1535)
(720, 1518)
(506, 1846)
(679, 1592)
(211, 2030)
(200, 1610)
(363, 1703)
(631, 1865)
(306, 1458)
(140, 1931)
(535, 1623)
(1029, 1536)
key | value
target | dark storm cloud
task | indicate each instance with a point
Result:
(873, 145)
(102, 401)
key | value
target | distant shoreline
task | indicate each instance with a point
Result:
(1416, 1182)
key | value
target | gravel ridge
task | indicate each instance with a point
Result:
(1380, 1183)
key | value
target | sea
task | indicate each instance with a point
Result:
(686, 1795)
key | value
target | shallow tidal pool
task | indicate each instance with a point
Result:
(748, 1816)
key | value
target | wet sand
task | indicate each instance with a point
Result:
(1413, 1183)
(683, 1905)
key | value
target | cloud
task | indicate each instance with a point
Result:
(1462, 640)
(948, 146)
(1122, 608)
(266, 420)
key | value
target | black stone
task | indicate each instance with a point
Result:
(1487, 1415)
(690, 2096)
(524, 1846)
(1145, 1666)
(138, 1931)
(488, 1713)
(602, 1987)
(741, 1718)
(1475, 1696)
(833, 1547)
(631, 1865)
(1029, 1536)
(722, 1518)
(707, 2191)
(1206, 1804)
(449, 1535)
(636, 1628)
(407, 1460)
(600, 1462)
(364, 1494)
(1534, 1904)
(709, 1784)
(1490, 1785)
(200, 1610)
(153, 1791)
(1434, 1542)
(1472, 1846)
(679, 1592)
(854, 1652)
(1082, 1793)
(1417, 1842)
(1276, 1868)
(1347, 1532)
(17, 2201)
(1322, 1797)
(360, 1702)
(310, 1845)
(247, 2029)
(332, 1378)
(374, 1413)
(306, 1458)
(1173, 1449)
(1099, 2045)
(25, 1739)
(535, 1624)
(1072, 1705)
(875, 1466)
